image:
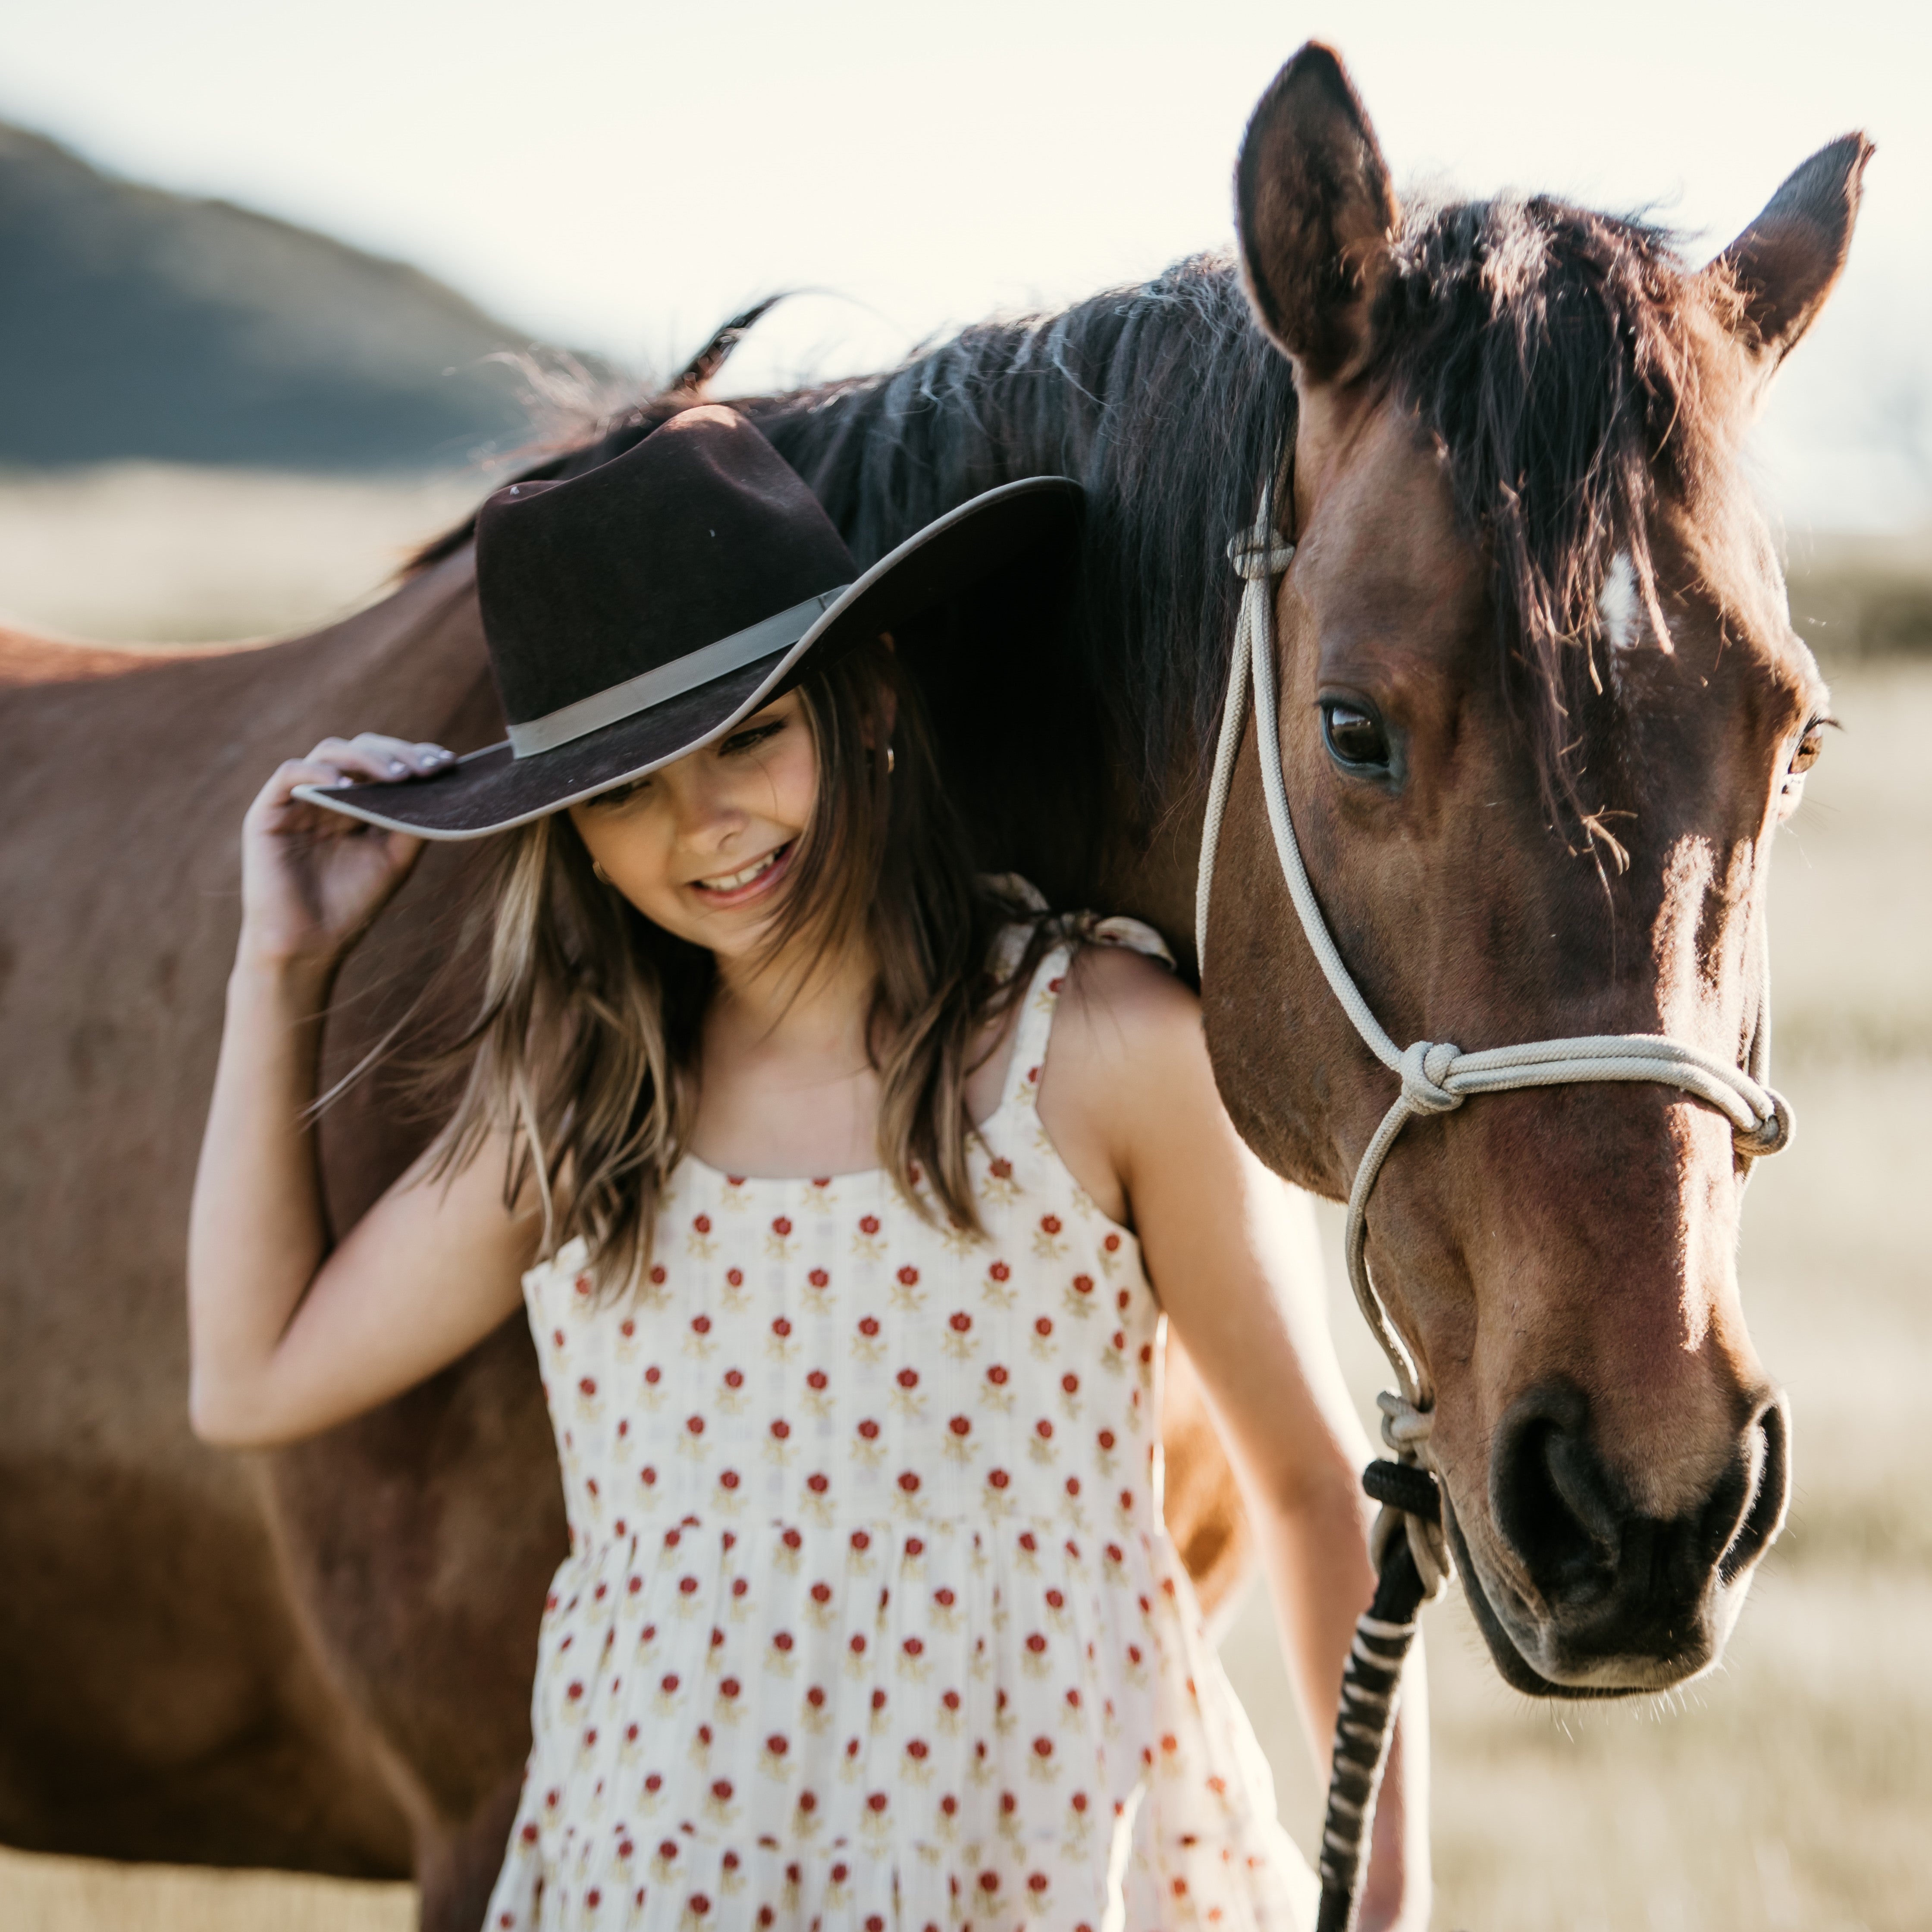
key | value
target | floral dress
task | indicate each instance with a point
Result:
(870, 1619)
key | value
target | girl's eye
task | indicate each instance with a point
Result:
(750, 740)
(1355, 736)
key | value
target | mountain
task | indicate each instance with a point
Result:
(135, 323)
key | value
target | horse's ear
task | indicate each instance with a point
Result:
(1314, 213)
(1787, 262)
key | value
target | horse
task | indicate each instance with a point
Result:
(1541, 709)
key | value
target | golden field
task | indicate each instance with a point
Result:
(1792, 1788)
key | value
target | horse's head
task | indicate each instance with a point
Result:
(1541, 711)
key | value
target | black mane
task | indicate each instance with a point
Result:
(1552, 351)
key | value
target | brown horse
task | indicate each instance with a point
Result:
(1540, 700)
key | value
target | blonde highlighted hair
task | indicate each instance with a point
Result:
(584, 1049)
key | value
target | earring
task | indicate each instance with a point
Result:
(597, 866)
(892, 759)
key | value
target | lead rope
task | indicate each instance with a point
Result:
(1410, 1541)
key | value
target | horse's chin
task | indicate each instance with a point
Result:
(1624, 1676)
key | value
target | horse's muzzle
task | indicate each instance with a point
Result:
(1607, 1601)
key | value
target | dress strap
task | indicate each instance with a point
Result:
(1037, 1004)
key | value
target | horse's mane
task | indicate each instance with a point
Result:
(1552, 351)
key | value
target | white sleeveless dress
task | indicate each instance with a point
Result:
(871, 1620)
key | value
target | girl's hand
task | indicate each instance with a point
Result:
(313, 879)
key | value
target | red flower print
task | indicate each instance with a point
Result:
(908, 1379)
(913, 1547)
(791, 1539)
(557, 1336)
(1043, 1429)
(821, 1593)
(868, 1429)
(999, 1271)
(575, 1691)
(587, 1384)
(1055, 1599)
(999, 1478)
(908, 1482)
(1126, 1499)
(1044, 1326)
(1036, 1643)
(996, 1376)
(913, 1647)
(948, 1804)
(960, 1323)
(818, 1485)
(808, 1801)
(943, 1598)
(658, 1276)
(917, 1750)
(816, 1379)
(729, 1479)
(1073, 1486)
(858, 1643)
(1112, 1244)
(655, 1783)
(876, 1800)
(695, 1424)
(815, 1697)
(989, 1882)
(700, 1324)
(1083, 1284)
(908, 1276)
(702, 1222)
(861, 1540)
(951, 1700)
(668, 1685)
(781, 1226)
(960, 1425)
(868, 1325)
(736, 1276)
(1000, 1168)
(868, 1224)
(1106, 1438)
(781, 1641)
(818, 1277)
(1049, 1224)
(730, 1687)
(780, 1328)
(687, 1585)
(648, 1475)
(734, 1378)
(781, 1428)
(778, 1744)
(739, 1584)
(1071, 1383)
(627, 1328)
(1042, 1747)
(653, 1375)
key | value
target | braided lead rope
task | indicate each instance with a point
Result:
(1436, 1078)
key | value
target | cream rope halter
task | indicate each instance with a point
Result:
(1436, 1077)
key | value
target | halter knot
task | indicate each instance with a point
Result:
(1259, 554)
(1769, 1136)
(1424, 1068)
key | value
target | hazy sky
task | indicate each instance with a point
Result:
(621, 176)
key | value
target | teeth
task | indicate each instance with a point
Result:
(730, 882)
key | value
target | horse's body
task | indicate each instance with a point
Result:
(320, 1658)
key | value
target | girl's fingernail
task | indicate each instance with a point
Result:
(397, 765)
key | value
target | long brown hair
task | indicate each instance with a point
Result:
(586, 1045)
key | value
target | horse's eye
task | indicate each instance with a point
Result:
(1355, 736)
(1809, 746)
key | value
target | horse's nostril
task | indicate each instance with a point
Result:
(1552, 1497)
(1768, 1464)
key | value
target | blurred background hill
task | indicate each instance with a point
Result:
(136, 324)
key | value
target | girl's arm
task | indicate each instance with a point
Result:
(1128, 1097)
(287, 1337)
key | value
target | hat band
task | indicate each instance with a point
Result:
(616, 702)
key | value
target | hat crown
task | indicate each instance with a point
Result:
(699, 532)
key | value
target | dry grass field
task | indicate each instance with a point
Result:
(1791, 1791)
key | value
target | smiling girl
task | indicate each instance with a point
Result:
(838, 1183)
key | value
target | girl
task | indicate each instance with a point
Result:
(836, 1182)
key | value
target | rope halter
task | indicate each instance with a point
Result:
(1436, 1076)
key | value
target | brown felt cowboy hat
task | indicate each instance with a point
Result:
(638, 611)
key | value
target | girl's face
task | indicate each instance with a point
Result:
(703, 846)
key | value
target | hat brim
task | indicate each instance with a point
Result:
(492, 790)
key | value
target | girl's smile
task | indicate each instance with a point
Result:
(751, 882)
